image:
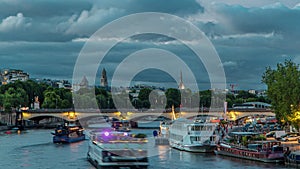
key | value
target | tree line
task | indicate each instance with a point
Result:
(284, 91)
(22, 94)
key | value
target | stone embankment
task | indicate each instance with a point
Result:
(2, 128)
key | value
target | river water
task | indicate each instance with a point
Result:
(35, 150)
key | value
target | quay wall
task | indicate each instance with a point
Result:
(3, 128)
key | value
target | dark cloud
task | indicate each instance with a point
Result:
(41, 60)
(43, 9)
(40, 36)
(275, 18)
(67, 20)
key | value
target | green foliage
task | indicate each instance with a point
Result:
(245, 140)
(84, 101)
(283, 89)
(245, 95)
(52, 100)
(144, 97)
(144, 94)
(205, 98)
(18, 94)
(173, 97)
(14, 99)
(140, 135)
(31, 89)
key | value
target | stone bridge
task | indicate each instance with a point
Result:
(86, 114)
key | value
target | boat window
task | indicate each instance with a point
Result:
(197, 128)
(297, 157)
(195, 138)
(277, 149)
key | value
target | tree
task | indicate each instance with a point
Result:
(173, 97)
(205, 98)
(52, 100)
(144, 94)
(144, 97)
(30, 87)
(102, 101)
(283, 90)
(245, 95)
(14, 99)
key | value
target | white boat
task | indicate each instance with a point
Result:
(164, 128)
(108, 148)
(193, 135)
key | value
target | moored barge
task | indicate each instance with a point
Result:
(264, 151)
(68, 134)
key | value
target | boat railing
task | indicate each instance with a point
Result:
(267, 150)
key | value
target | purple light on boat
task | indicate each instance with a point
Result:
(125, 134)
(106, 133)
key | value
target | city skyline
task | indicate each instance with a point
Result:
(248, 37)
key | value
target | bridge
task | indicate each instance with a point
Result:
(87, 114)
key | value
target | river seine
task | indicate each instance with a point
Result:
(35, 150)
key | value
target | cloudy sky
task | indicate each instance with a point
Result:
(44, 38)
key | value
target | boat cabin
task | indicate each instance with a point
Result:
(122, 125)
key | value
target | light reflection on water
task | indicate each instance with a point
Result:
(35, 150)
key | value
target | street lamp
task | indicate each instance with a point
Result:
(71, 115)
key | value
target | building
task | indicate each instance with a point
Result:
(12, 75)
(36, 104)
(103, 80)
(84, 82)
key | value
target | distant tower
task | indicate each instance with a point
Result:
(84, 82)
(232, 87)
(181, 85)
(103, 80)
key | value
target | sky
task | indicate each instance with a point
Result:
(45, 38)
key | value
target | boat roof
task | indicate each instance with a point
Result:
(267, 141)
(182, 119)
(244, 133)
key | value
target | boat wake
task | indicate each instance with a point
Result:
(36, 145)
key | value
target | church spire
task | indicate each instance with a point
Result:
(181, 85)
(103, 80)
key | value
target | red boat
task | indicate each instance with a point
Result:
(264, 151)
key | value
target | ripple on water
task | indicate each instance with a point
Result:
(35, 150)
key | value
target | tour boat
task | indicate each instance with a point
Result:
(193, 135)
(122, 125)
(164, 128)
(109, 148)
(243, 145)
(292, 159)
(68, 134)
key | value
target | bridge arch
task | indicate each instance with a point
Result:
(41, 117)
(149, 118)
(236, 114)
